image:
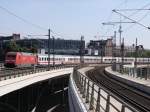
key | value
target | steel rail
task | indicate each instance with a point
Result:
(108, 84)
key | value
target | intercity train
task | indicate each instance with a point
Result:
(18, 59)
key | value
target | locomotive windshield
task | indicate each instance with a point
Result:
(11, 56)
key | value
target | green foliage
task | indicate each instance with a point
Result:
(144, 53)
(12, 46)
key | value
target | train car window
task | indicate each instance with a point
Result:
(39, 59)
(42, 59)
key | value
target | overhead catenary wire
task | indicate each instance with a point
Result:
(136, 11)
(28, 22)
(127, 17)
(129, 27)
(131, 9)
(22, 19)
(131, 19)
(110, 16)
(144, 7)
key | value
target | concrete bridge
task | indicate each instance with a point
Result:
(26, 87)
(84, 95)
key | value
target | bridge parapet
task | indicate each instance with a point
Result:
(96, 98)
(23, 80)
(14, 73)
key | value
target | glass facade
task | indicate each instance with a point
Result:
(61, 46)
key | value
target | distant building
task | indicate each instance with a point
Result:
(61, 46)
(108, 47)
(100, 47)
(128, 50)
(12, 37)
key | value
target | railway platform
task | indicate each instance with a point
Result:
(137, 82)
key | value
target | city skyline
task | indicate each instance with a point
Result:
(71, 19)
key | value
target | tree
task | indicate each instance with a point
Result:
(33, 49)
(12, 46)
(146, 53)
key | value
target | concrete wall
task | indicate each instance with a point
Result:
(9, 85)
(139, 86)
(75, 103)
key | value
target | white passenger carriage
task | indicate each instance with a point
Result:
(58, 59)
(72, 59)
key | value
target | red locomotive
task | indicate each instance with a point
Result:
(20, 59)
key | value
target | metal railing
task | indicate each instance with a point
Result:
(142, 72)
(13, 73)
(96, 98)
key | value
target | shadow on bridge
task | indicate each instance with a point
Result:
(48, 95)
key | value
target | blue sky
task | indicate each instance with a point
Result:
(73, 18)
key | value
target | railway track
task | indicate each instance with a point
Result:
(134, 97)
